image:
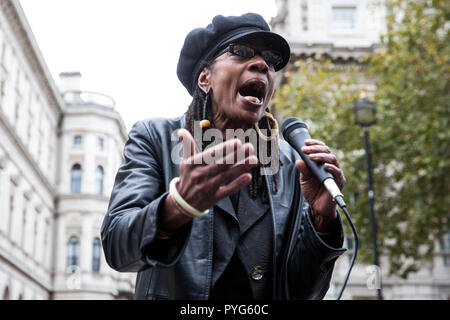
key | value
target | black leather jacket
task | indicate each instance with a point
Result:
(181, 267)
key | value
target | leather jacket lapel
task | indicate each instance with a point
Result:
(226, 205)
(250, 210)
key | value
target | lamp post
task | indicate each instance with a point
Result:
(365, 116)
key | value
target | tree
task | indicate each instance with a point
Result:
(411, 140)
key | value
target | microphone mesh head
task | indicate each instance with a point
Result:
(290, 124)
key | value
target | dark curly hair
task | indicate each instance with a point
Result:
(195, 114)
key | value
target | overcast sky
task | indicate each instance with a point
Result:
(127, 49)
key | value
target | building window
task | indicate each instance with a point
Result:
(77, 142)
(75, 186)
(445, 247)
(12, 199)
(99, 180)
(2, 89)
(47, 235)
(25, 220)
(40, 143)
(36, 242)
(100, 144)
(73, 251)
(350, 242)
(16, 113)
(30, 117)
(96, 255)
(344, 18)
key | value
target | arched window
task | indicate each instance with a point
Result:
(99, 180)
(77, 142)
(75, 186)
(445, 247)
(73, 251)
(100, 143)
(96, 255)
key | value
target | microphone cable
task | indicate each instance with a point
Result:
(295, 132)
(340, 201)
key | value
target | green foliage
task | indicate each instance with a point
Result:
(411, 140)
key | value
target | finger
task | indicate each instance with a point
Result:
(236, 170)
(304, 170)
(187, 143)
(218, 174)
(315, 149)
(235, 156)
(310, 142)
(217, 152)
(337, 173)
(239, 155)
(325, 158)
(234, 186)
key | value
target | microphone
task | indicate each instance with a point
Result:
(295, 132)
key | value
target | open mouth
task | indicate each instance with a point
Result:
(253, 91)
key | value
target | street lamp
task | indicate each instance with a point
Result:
(365, 116)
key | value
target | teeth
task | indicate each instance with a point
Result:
(253, 99)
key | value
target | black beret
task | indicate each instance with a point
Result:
(201, 44)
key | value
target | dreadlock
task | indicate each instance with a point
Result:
(195, 113)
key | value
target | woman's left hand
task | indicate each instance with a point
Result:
(322, 205)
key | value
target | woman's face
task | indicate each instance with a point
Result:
(240, 88)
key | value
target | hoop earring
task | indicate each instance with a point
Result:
(275, 123)
(205, 123)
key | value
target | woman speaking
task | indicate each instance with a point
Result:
(233, 218)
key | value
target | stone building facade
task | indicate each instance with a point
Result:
(59, 151)
(345, 30)
(341, 29)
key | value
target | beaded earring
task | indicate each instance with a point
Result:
(205, 123)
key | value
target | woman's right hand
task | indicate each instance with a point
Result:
(216, 173)
(203, 183)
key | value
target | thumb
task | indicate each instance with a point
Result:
(187, 143)
(306, 174)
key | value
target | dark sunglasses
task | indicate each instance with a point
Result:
(272, 57)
